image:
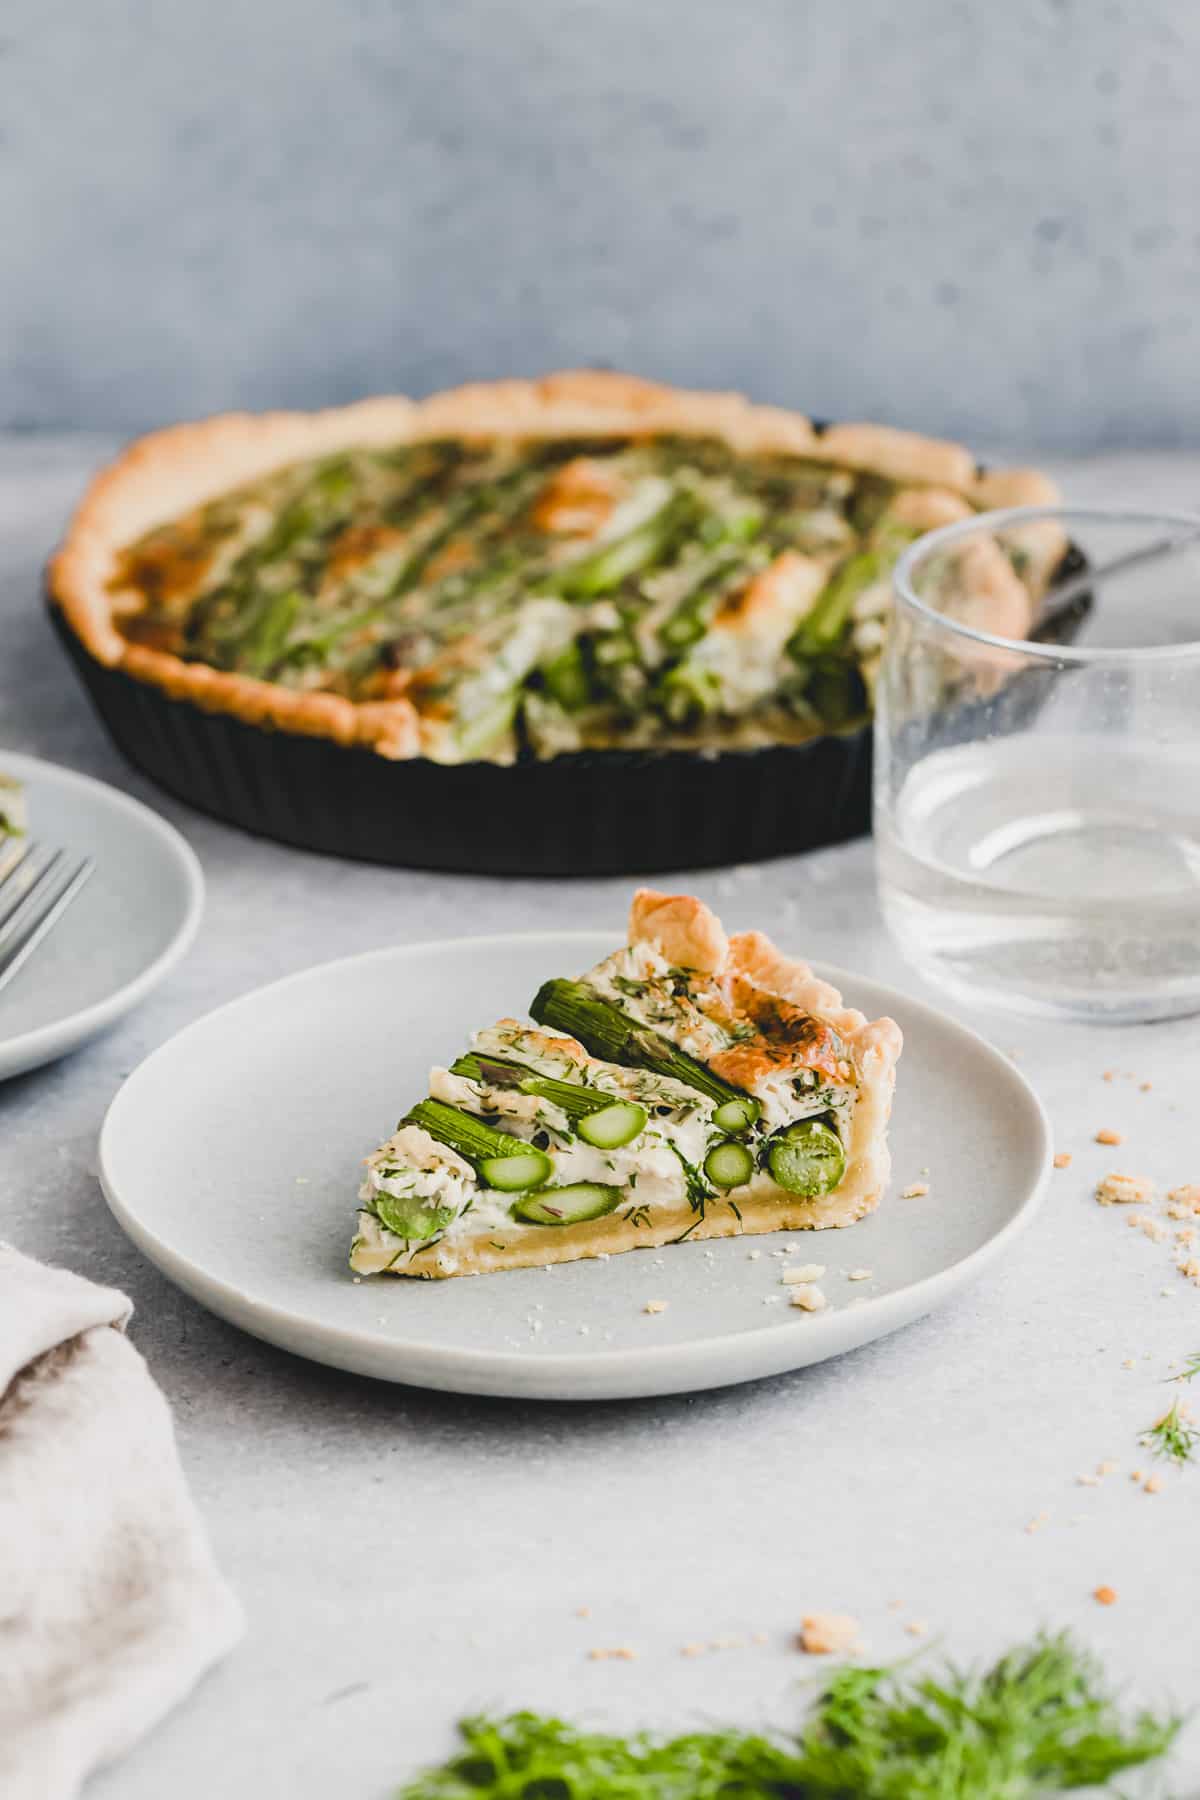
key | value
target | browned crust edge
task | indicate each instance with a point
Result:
(168, 472)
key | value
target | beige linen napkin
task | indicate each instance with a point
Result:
(111, 1606)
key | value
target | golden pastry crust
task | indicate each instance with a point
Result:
(768, 1208)
(681, 928)
(170, 472)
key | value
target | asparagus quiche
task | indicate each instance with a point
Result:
(692, 1085)
(521, 568)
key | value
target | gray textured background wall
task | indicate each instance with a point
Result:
(981, 218)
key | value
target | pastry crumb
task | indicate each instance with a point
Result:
(1145, 1086)
(583, 1612)
(860, 1275)
(1187, 1196)
(1063, 1160)
(1153, 1486)
(655, 1306)
(1124, 1190)
(622, 1653)
(691, 1650)
(1107, 1596)
(828, 1634)
(1109, 1136)
(1107, 1468)
(916, 1628)
(1037, 1522)
(915, 1190)
(801, 1273)
(809, 1298)
(1087, 1481)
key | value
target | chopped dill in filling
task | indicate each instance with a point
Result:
(542, 595)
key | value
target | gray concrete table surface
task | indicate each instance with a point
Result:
(404, 1556)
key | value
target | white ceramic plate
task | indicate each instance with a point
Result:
(231, 1157)
(123, 933)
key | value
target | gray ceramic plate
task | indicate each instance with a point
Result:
(231, 1157)
(121, 936)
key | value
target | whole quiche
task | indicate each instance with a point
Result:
(520, 569)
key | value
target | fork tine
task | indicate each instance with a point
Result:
(22, 883)
(46, 907)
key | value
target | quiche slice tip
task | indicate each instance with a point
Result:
(691, 1085)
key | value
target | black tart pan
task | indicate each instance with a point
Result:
(598, 812)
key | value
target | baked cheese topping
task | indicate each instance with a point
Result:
(544, 595)
(688, 1086)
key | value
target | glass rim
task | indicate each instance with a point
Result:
(907, 564)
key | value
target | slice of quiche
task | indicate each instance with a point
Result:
(692, 1085)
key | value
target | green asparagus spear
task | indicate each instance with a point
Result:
(569, 1205)
(500, 1161)
(729, 1165)
(265, 642)
(566, 678)
(830, 616)
(648, 543)
(600, 1119)
(806, 1158)
(602, 1028)
(411, 1216)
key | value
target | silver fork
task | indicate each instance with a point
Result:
(37, 884)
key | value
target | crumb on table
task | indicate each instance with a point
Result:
(803, 1272)
(1124, 1190)
(1107, 1596)
(828, 1634)
(1063, 1160)
(655, 1306)
(1109, 1136)
(915, 1190)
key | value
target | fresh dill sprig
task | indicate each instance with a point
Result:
(1190, 1369)
(1039, 1721)
(1173, 1436)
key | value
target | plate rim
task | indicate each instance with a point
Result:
(30, 1050)
(672, 1368)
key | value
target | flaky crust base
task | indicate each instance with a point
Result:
(169, 472)
(770, 1209)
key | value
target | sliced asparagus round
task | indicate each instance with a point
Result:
(500, 1161)
(610, 1127)
(599, 1118)
(736, 1116)
(729, 1165)
(412, 1217)
(603, 1029)
(806, 1158)
(569, 1205)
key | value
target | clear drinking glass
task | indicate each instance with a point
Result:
(1037, 780)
